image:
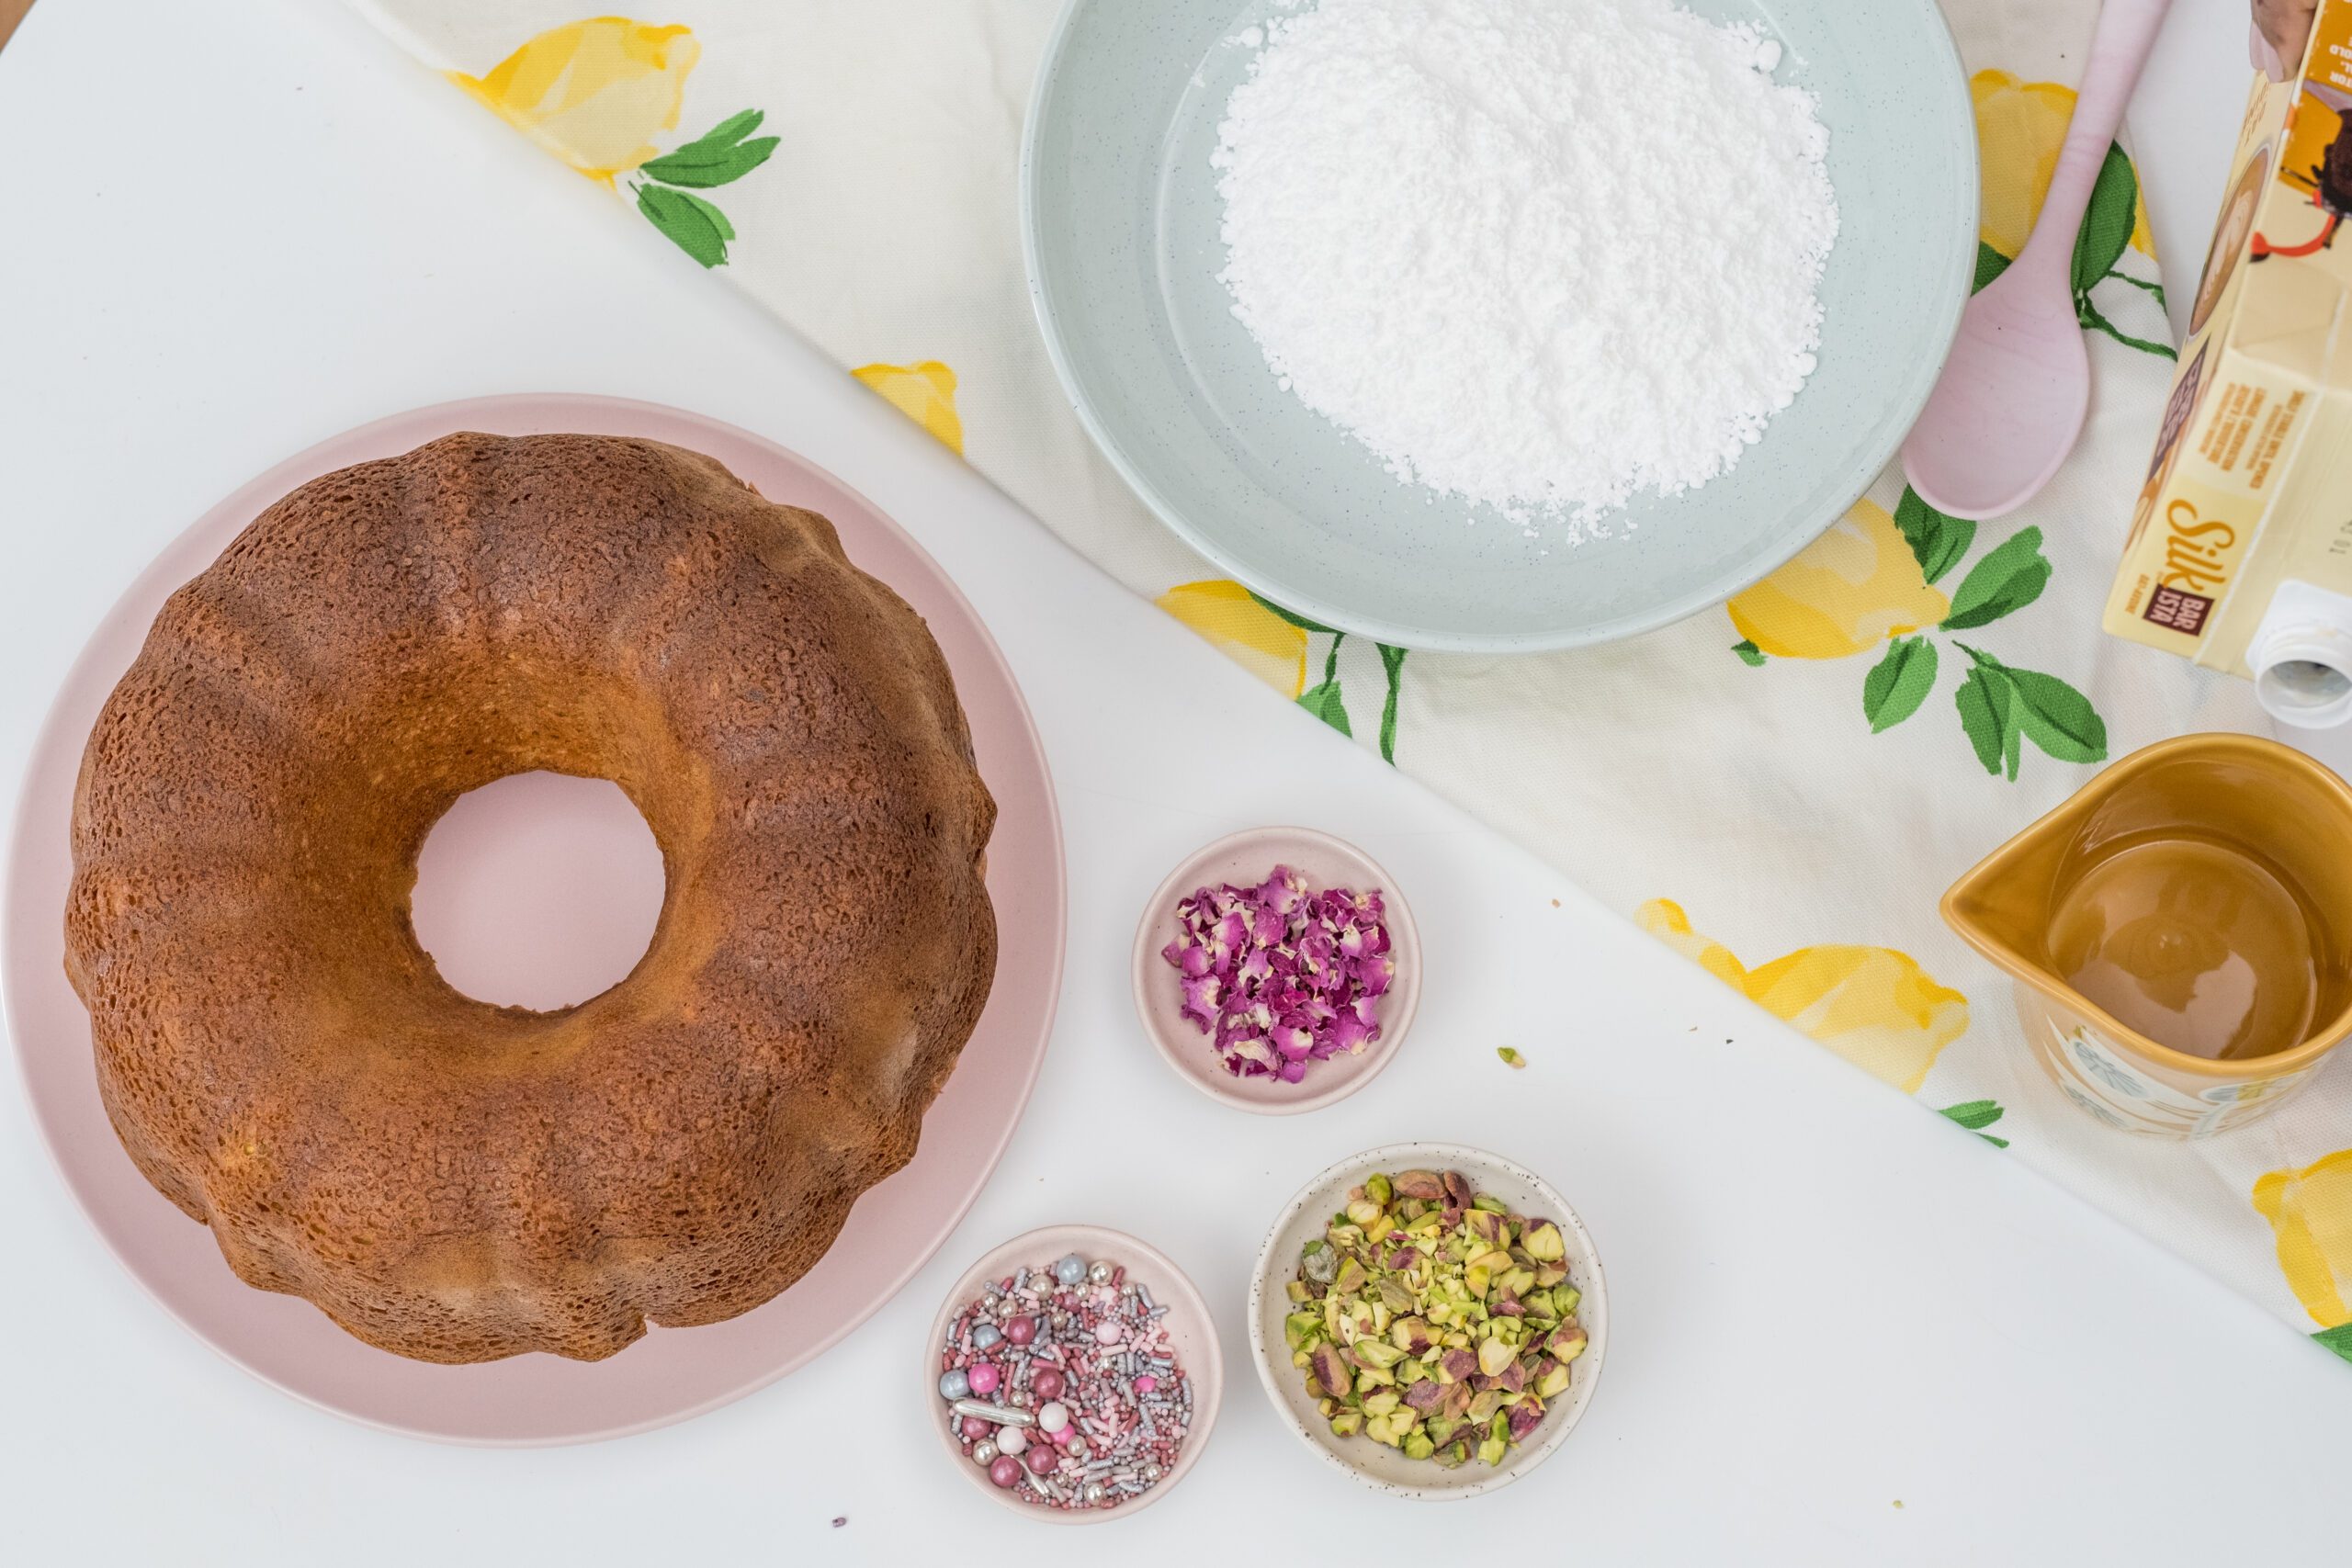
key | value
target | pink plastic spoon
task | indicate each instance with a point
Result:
(2011, 402)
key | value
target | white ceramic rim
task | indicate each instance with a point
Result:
(1860, 474)
(1396, 1019)
(1407, 1156)
(1208, 1393)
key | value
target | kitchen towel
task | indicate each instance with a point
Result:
(1782, 788)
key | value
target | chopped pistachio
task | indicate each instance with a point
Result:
(1431, 1319)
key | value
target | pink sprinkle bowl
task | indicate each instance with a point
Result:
(1246, 859)
(1191, 1332)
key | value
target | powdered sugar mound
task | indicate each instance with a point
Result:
(1537, 254)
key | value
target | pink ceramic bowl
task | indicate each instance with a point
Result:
(1189, 1331)
(1245, 859)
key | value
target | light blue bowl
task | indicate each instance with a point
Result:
(1120, 218)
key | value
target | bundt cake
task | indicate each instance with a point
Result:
(457, 1182)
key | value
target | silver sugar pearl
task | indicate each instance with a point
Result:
(1098, 1272)
(984, 1453)
(1077, 1449)
(1151, 1470)
(1094, 1494)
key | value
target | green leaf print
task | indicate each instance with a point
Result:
(2058, 719)
(2338, 1339)
(1326, 704)
(2106, 226)
(1392, 662)
(1977, 1115)
(1892, 691)
(1984, 701)
(1750, 654)
(1990, 265)
(2042, 708)
(2008, 579)
(1935, 540)
(2106, 234)
(698, 228)
(717, 158)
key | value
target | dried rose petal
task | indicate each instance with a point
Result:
(1280, 976)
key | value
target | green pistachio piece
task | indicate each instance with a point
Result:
(1570, 1342)
(1441, 1428)
(1367, 1214)
(1375, 1353)
(1377, 1187)
(1493, 1205)
(1347, 1423)
(1493, 1356)
(1484, 1404)
(1491, 1452)
(1384, 1403)
(1351, 1280)
(1565, 1301)
(1554, 1383)
(1426, 1185)
(1369, 1378)
(1419, 1446)
(1330, 1369)
(1412, 1334)
(1545, 1243)
(1301, 1326)
(1454, 1455)
(1394, 1297)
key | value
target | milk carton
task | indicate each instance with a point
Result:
(2240, 556)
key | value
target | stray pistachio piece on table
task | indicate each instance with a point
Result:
(1432, 1319)
(1511, 1058)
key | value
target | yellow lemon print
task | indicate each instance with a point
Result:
(1244, 630)
(1873, 1005)
(2019, 127)
(1853, 589)
(593, 93)
(924, 393)
(2309, 1212)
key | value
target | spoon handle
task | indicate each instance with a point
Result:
(2127, 32)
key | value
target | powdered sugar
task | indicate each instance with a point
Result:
(1539, 255)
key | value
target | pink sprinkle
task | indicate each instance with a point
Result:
(1145, 1383)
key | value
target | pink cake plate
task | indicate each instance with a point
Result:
(671, 1374)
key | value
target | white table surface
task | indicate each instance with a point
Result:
(231, 230)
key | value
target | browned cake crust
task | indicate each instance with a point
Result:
(457, 1182)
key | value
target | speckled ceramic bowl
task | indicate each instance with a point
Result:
(1247, 858)
(1121, 217)
(1190, 1330)
(1376, 1465)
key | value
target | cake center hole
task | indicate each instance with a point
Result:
(539, 891)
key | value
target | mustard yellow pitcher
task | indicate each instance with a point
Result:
(2180, 932)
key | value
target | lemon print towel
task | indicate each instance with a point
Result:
(924, 393)
(1803, 770)
(597, 92)
(2309, 1212)
(1873, 1005)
